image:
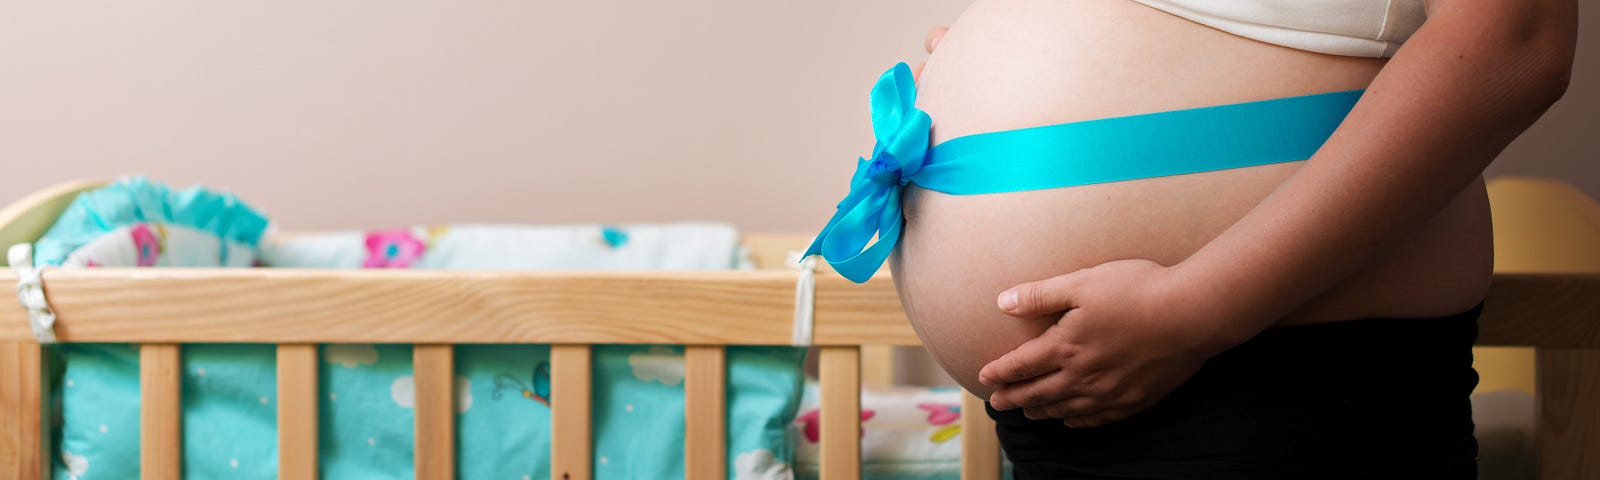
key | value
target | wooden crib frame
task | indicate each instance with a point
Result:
(160, 309)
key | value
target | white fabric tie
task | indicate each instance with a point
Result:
(805, 296)
(30, 292)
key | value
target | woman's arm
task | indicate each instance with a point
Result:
(1472, 79)
(1476, 75)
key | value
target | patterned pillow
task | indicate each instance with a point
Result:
(136, 222)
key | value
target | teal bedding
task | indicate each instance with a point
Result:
(502, 391)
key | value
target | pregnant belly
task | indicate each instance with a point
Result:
(1008, 64)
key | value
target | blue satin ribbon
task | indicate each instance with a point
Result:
(1070, 154)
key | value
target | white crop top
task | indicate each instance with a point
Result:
(1359, 28)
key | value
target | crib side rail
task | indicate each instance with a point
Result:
(1559, 313)
(841, 319)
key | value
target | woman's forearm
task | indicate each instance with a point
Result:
(1472, 79)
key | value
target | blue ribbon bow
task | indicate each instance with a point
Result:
(872, 208)
(1070, 154)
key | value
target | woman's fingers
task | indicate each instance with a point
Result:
(1048, 389)
(1033, 299)
(1033, 358)
(931, 41)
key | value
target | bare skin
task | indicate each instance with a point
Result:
(1010, 64)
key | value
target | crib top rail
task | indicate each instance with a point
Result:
(701, 308)
(339, 306)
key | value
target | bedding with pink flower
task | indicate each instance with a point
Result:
(147, 244)
(393, 249)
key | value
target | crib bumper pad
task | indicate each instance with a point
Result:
(136, 222)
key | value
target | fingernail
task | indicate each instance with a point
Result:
(1008, 300)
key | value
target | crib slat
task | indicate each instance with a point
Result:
(435, 449)
(705, 414)
(570, 445)
(22, 440)
(160, 412)
(297, 411)
(877, 365)
(840, 368)
(980, 448)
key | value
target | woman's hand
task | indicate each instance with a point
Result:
(1127, 338)
(929, 42)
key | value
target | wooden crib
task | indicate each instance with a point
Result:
(160, 309)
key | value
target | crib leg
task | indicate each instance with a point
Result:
(22, 427)
(1569, 412)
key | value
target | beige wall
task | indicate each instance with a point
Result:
(369, 113)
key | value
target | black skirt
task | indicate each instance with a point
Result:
(1372, 398)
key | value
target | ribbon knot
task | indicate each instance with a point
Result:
(872, 208)
(884, 169)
